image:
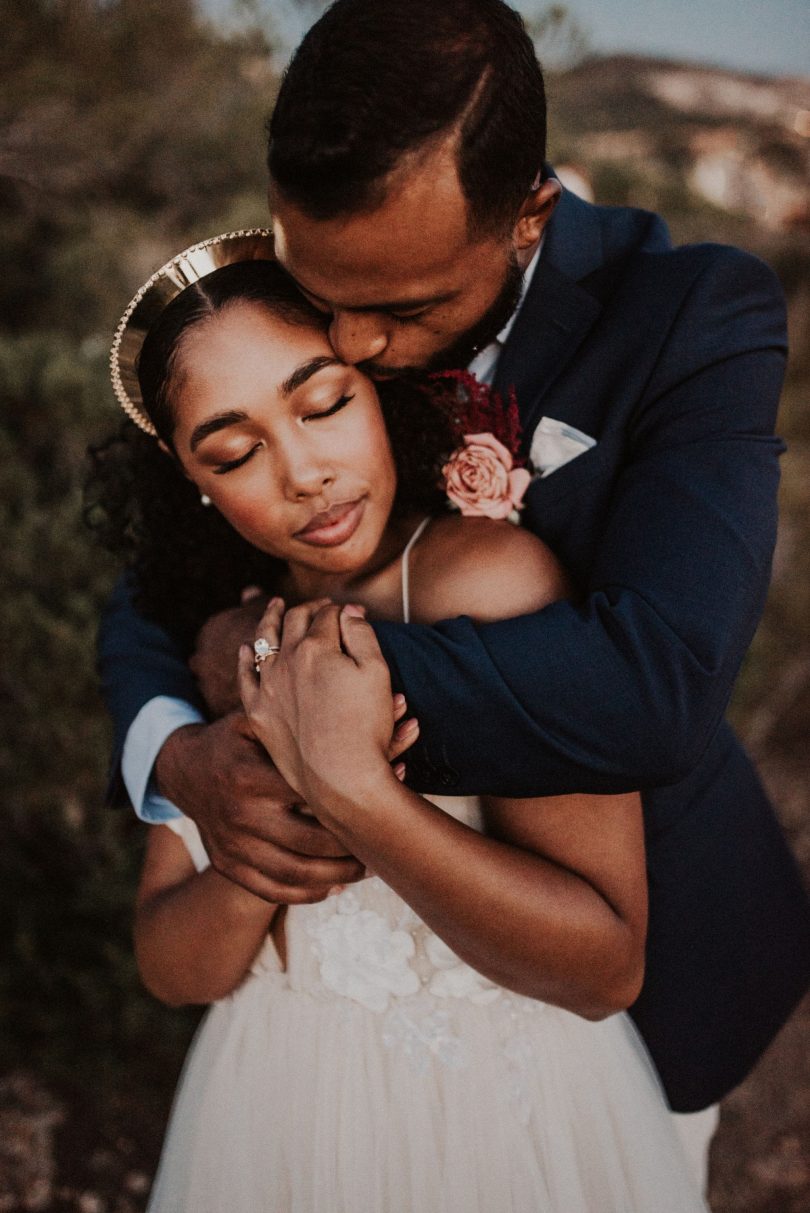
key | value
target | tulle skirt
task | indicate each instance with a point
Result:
(292, 1103)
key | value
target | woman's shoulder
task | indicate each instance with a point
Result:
(482, 568)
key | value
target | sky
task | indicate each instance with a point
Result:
(767, 36)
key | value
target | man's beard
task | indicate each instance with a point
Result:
(463, 349)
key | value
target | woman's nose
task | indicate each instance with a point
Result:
(358, 336)
(305, 474)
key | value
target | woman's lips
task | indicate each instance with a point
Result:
(333, 526)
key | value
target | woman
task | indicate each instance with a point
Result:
(447, 1034)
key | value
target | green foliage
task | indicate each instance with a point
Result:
(128, 128)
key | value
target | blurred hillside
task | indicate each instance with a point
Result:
(740, 143)
(723, 157)
(726, 157)
(127, 129)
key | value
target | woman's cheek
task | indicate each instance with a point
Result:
(379, 456)
(252, 516)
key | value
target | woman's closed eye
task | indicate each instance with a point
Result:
(339, 404)
(230, 465)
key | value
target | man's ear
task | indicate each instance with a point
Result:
(535, 213)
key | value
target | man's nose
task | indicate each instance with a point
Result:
(358, 336)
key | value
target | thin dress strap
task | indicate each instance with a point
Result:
(406, 597)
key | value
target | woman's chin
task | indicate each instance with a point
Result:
(346, 560)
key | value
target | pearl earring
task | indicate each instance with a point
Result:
(205, 499)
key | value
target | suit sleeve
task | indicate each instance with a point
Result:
(138, 661)
(626, 689)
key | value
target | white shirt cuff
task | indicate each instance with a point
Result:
(156, 721)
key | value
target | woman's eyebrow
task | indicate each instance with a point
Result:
(234, 416)
(213, 424)
(306, 370)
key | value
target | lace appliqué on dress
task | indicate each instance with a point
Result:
(361, 956)
(396, 966)
(422, 1034)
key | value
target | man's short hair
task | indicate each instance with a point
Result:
(376, 79)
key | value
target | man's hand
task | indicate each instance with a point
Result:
(253, 825)
(221, 778)
(214, 660)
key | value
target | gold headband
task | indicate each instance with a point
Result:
(194, 263)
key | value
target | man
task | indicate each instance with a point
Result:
(411, 204)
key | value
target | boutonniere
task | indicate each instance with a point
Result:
(482, 477)
(481, 481)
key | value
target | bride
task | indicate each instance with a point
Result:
(448, 1035)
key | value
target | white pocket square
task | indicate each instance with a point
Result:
(556, 443)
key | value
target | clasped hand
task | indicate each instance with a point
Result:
(322, 705)
(254, 823)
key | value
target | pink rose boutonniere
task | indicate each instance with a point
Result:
(482, 482)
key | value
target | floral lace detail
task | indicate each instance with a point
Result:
(361, 956)
(423, 1032)
(393, 964)
(518, 1051)
(423, 1036)
(455, 979)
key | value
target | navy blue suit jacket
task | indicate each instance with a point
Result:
(673, 360)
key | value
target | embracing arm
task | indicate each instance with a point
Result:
(626, 688)
(560, 917)
(552, 903)
(138, 661)
(196, 933)
(215, 773)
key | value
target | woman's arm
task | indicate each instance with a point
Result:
(559, 916)
(553, 902)
(196, 933)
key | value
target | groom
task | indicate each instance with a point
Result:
(412, 205)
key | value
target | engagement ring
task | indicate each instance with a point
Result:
(262, 649)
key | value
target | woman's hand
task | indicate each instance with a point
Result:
(322, 705)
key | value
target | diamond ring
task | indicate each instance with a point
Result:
(262, 649)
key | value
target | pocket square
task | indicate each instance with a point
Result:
(555, 443)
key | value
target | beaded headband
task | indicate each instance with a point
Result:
(188, 267)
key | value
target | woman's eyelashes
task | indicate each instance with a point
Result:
(339, 404)
(222, 468)
(231, 464)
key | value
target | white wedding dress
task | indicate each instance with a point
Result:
(381, 1074)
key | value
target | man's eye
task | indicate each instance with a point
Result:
(334, 408)
(408, 317)
(235, 463)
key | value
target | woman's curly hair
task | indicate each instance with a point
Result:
(186, 561)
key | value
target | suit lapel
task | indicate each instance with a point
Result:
(544, 339)
(557, 312)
